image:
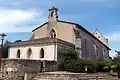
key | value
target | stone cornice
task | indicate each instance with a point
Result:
(45, 40)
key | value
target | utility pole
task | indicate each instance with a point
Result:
(2, 53)
(2, 39)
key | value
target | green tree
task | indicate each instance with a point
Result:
(5, 49)
(73, 64)
(70, 54)
(117, 59)
(67, 57)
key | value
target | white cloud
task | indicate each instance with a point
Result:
(15, 20)
(114, 37)
(112, 53)
(114, 41)
(15, 16)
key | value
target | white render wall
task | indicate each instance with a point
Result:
(49, 52)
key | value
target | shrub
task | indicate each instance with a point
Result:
(73, 64)
(79, 66)
(100, 66)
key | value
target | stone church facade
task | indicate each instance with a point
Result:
(93, 46)
(54, 36)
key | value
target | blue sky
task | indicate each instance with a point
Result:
(19, 17)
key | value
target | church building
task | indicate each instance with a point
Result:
(43, 51)
(51, 37)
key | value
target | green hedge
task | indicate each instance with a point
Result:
(72, 63)
(79, 65)
(92, 66)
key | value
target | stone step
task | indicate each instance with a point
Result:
(71, 76)
(42, 77)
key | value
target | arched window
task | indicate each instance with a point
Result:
(52, 33)
(95, 48)
(29, 53)
(42, 53)
(52, 14)
(18, 53)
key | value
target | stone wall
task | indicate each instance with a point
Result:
(49, 66)
(18, 69)
(88, 50)
(14, 69)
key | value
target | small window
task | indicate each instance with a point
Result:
(52, 14)
(42, 53)
(18, 53)
(103, 50)
(52, 33)
(29, 53)
(95, 48)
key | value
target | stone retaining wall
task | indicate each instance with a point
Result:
(49, 66)
(15, 69)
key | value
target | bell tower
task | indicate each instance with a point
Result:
(53, 14)
(52, 21)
